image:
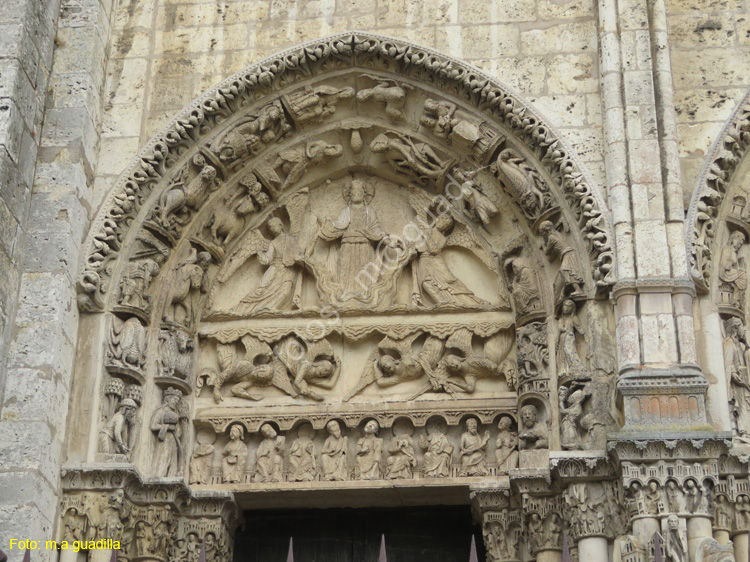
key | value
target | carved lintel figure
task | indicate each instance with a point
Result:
(295, 161)
(696, 498)
(732, 270)
(416, 160)
(742, 513)
(480, 206)
(524, 285)
(675, 497)
(227, 220)
(522, 183)
(432, 277)
(675, 543)
(309, 363)
(137, 279)
(265, 126)
(369, 450)
(402, 458)
(302, 457)
(317, 103)
(533, 434)
(569, 364)
(176, 353)
(472, 451)
(722, 513)
(74, 524)
(201, 463)
(144, 537)
(438, 116)
(571, 410)
(189, 281)
(397, 361)
(184, 194)
(386, 91)
(333, 455)
(259, 367)
(165, 424)
(437, 453)
(652, 498)
(535, 533)
(736, 355)
(568, 282)
(127, 345)
(506, 446)
(269, 464)
(118, 435)
(234, 456)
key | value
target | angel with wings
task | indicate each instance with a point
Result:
(431, 276)
(257, 368)
(309, 363)
(396, 361)
(280, 286)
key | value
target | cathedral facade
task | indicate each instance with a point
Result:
(281, 276)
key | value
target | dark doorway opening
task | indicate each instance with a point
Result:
(413, 534)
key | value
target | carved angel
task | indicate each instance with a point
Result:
(480, 206)
(227, 220)
(259, 367)
(296, 160)
(389, 92)
(397, 361)
(268, 124)
(319, 103)
(281, 284)
(309, 363)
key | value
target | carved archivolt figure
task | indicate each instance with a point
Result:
(175, 354)
(333, 455)
(317, 103)
(165, 423)
(432, 276)
(506, 446)
(471, 452)
(302, 457)
(736, 355)
(309, 363)
(402, 459)
(200, 463)
(267, 125)
(295, 161)
(269, 466)
(75, 526)
(136, 281)
(571, 410)
(192, 194)
(190, 279)
(234, 456)
(521, 182)
(533, 434)
(416, 160)
(438, 116)
(117, 436)
(696, 500)
(524, 285)
(367, 465)
(389, 92)
(569, 364)
(359, 230)
(732, 271)
(227, 220)
(480, 206)
(651, 498)
(569, 282)
(437, 453)
(397, 361)
(128, 344)
(675, 497)
(535, 533)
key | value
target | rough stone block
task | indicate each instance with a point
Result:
(562, 110)
(562, 38)
(51, 252)
(628, 347)
(201, 39)
(572, 74)
(126, 81)
(32, 395)
(11, 127)
(30, 446)
(496, 11)
(706, 104)
(564, 9)
(717, 67)
(134, 15)
(690, 6)
(13, 190)
(27, 489)
(123, 120)
(72, 129)
(525, 74)
(222, 13)
(652, 250)
(9, 229)
(479, 41)
(48, 297)
(410, 13)
(702, 30)
(115, 154)
(80, 50)
(26, 521)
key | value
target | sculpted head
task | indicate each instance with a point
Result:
(236, 433)
(128, 407)
(546, 228)
(388, 364)
(268, 431)
(275, 226)
(736, 239)
(529, 416)
(471, 425)
(357, 193)
(568, 307)
(504, 424)
(371, 427)
(334, 428)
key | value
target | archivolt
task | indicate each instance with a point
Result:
(708, 204)
(193, 134)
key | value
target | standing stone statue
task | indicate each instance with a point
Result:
(117, 435)
(333, 455)
(302, 457)
(165, 423)
(269, 464)
(437, 456)
(524, 285)
(506, 445)
(471, 452)
(569, 364)
(569, 282)
(369, 454)
(200, 463)
(732, 271)
(234, 456)
(736, 354)
(533, 434)
(571, 410)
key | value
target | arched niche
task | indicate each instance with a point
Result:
(358, 229)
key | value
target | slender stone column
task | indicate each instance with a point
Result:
(100, 555)
(592, 549)
(741, 546)
(549, 556)
(698, 529)
(68, 555)
(721, 537)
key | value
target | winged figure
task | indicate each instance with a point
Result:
(281, 285)
(397, 361)
(309, 363)
(258, 367)
(522, 182)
